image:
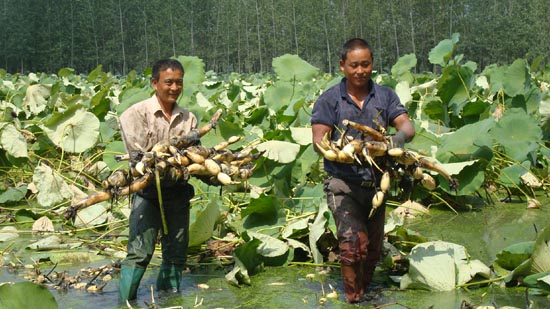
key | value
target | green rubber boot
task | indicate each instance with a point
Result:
(130, 276)
(169, 278)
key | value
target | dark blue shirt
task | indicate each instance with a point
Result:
(380, 108)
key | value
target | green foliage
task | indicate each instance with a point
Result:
(26, 295)
(487, 129)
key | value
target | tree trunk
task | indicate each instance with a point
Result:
(294, 27)
(122, 39)
(259, 37)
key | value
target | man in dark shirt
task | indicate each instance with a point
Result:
(351, 187)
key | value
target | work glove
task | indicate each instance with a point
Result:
(398, 140)
(135, 157)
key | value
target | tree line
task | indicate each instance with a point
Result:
(245, 35)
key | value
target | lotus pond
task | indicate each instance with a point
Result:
(484, 232)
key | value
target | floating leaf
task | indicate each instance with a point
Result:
(51, 243)
(26, 295)
(43, 224)
(91, 216)
(439, 266)
(8, 233)
(14, 194)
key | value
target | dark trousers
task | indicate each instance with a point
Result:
(360, 239)
(146, 223)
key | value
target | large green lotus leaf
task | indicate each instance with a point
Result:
(194, 71)
(454, 86)
(75, 130)
(52, 189)
(544, 112)
(517, 78)
(36, 99)
(467, 143)
(511, 175)
(512, 256)
(443, 51)
(131, 96)
(431, 267)
(302, 136)
(279, 95)
(13, 194)
(247, 262)
(404, 92)
(538, 281)
(279, 151)
(317, 229)
(202, 227)
(92, 216)
(539, 262)
(297, 228)
(113, 149)
(469, 269)
(193, 77)
(262, 212)
(26, 295)
(271, 246)
(469, 174)
(13, 141)
(541, 253)
(518, 133)
(292, 67)
(403, 66)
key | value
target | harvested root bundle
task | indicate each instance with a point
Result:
(177, 160)
(366, 152)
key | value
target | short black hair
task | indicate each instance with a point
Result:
(165, 64)
(355, 43)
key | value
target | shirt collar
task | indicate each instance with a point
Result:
(344, 93)
(155, 107)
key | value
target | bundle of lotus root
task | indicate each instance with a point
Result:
(177, 158)
(364, 151)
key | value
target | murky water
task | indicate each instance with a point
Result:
(484, 233)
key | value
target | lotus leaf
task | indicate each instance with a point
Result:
(292, 67)
(52, 189)
(205, 220)
(26, 295)
(91, 216)
(13, 141)
(76, 130)
(8, 233)
(279, 151)
(518, 133)
(35, 100)
(440, 266)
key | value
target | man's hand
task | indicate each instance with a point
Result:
(398, 140)
(135, 157)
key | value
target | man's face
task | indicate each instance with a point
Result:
(169, 85)
(358, 67)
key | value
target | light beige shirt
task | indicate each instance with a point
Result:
(144, 124)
